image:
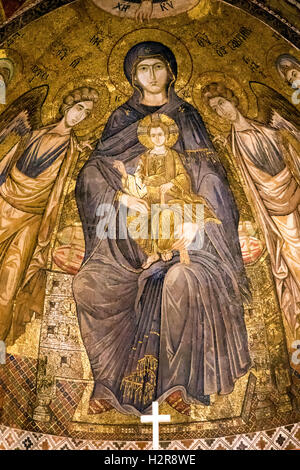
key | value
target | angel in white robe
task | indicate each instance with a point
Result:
(267, 152)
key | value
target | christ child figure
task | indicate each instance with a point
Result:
(161, 180)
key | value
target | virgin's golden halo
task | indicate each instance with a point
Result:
(120, 49)
(206, 111)
(143, 127)
(100, 111)
(271, 56)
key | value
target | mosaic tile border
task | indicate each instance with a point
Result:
(282, 438)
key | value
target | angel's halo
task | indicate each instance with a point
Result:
(210, 116)
(101, 109)
(14, 62)
(271, 57)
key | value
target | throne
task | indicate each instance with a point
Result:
(63, 363)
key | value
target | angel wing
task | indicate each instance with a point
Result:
(273, 108)
(24, 114)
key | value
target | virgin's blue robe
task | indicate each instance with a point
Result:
(189, 318)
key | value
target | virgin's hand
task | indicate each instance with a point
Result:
(166, 187)
(144, 11)
(185, 234)
(120, 167)
(135, 204)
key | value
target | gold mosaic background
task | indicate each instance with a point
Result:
(79, 43)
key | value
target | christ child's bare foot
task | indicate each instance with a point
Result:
(167, 256)
(150, 260)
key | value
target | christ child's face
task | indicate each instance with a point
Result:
(292, 76)
(157, 136)
(224, 108)
(152, 75)
(78, 113)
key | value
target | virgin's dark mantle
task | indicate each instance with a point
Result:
(173, 326)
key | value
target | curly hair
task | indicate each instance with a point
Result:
(155, 123)
(218, 89)
(78, 95)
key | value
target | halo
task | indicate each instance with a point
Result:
(7, 64)
(125, 43)
(12, 60)
(144, 138)
(100, 111)
(209, 115)
(132, 6)
(271, 56)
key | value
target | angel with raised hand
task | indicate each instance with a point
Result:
(267, 152)
(33, 175)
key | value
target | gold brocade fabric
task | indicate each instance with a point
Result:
(23, 201)
(141, 383)
(177, 206)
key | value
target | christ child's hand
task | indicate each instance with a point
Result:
(221, 140)
(120, 167)
(166, 187)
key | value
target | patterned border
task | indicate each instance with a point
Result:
(282, 438)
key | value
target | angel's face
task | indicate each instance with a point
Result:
(292, 76)
(78, 113)
(224, 108)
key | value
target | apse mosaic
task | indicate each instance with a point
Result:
(149, 222)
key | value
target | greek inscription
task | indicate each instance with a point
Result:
(165, 6)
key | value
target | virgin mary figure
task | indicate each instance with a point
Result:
(172, 327)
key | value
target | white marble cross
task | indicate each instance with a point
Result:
(155, 419)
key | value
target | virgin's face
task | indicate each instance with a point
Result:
(292, 76)
(157, 136)
(78, 113)
(152, 75)
(224, 108)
